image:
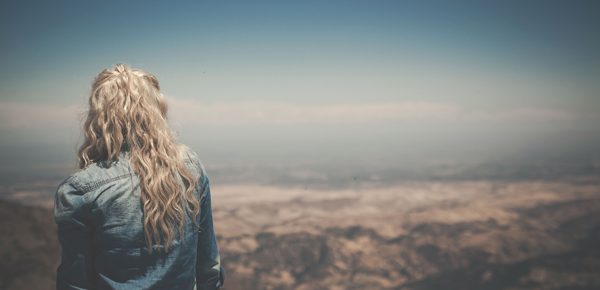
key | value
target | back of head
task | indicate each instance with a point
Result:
(127, 111)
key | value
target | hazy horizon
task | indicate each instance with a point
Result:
(403, 86)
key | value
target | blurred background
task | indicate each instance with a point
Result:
(350, 144)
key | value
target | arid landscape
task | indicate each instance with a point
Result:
(461, 234)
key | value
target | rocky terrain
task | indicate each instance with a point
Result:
(425, 235)
(536, 234)
(28, 247)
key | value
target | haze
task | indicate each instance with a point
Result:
(331, 85)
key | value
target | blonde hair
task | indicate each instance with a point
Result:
(127, 111)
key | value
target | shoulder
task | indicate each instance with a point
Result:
(77, 190)
(98, 174)
(191, 157)
(69, 200)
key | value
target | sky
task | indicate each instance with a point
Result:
(385, 83)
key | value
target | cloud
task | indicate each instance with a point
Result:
(14, 115)
(523, 114)
(189, 111)
(192, 112)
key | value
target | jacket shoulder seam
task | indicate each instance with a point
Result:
(93, 185)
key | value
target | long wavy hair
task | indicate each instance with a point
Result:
(127, 111)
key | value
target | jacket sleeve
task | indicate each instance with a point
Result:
(71, 215)
(209, 273)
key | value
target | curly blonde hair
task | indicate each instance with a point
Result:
(127, 111)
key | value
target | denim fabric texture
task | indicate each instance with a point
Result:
(99, 216)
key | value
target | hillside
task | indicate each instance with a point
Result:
(28, 247)
(418, 235)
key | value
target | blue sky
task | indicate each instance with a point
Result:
(392, 78)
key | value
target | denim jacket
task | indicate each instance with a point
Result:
(99, 216)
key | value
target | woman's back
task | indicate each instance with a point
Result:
(137, 215)
(100, 223)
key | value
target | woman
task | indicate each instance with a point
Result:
(137, 215)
